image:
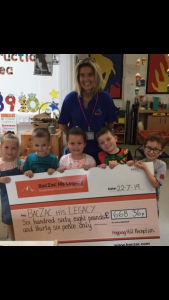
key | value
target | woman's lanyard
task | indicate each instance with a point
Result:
(88, 123)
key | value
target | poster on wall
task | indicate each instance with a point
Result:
(112, 71)
(43, 64)
(8, 123)
(157, 77)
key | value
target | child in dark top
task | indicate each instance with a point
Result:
(41, 160)
(111, 155)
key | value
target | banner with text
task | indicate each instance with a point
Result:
(100, 206)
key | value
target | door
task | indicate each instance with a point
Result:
(166, 124)
(156, 123)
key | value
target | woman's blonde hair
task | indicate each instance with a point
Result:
(89, 62)
(11, 136)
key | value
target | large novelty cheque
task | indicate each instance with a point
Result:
(96, 207)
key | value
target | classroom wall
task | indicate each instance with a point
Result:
(22, 81)
(129, 81)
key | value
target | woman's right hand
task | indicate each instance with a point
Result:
(5, 180)
(28, 174)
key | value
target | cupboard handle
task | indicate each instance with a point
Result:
(165, 120)
(160, 120)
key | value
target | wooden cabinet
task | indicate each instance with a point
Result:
(56, 141)
(158, 123)
(166, 124)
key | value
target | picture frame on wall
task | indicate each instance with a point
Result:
(56, 59)
(157, 77)
(112, 72)
(76, 59)
(43, 64)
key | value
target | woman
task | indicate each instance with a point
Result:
(88, 106)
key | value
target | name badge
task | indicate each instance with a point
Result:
(90, 135)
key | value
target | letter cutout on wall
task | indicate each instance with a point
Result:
(1, 103)
(22, 100)
(11, 100)
(32, 98)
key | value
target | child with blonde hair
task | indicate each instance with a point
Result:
(10, 165)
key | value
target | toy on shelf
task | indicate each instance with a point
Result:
(137, 91)
(143, 102)
(144, 60)
(137, 76)
(138, 62)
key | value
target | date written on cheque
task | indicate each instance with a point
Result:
(129, 213)
(127, 187)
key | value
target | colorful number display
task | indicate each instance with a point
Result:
(27, 105)
(31, 99)
(11, 100)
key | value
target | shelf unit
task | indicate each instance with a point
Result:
(119, 130)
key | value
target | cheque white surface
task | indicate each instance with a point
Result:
(100, 206)
(122, 180)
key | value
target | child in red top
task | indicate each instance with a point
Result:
(111, 155)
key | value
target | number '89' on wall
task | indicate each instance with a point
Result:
(31, 104)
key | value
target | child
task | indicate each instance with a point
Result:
(76, 159)
(111, 155)
(10, 164)
(153, 147)
(41, 161)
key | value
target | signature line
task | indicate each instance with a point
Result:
(100, 224)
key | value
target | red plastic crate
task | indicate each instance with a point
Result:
(144, 133)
